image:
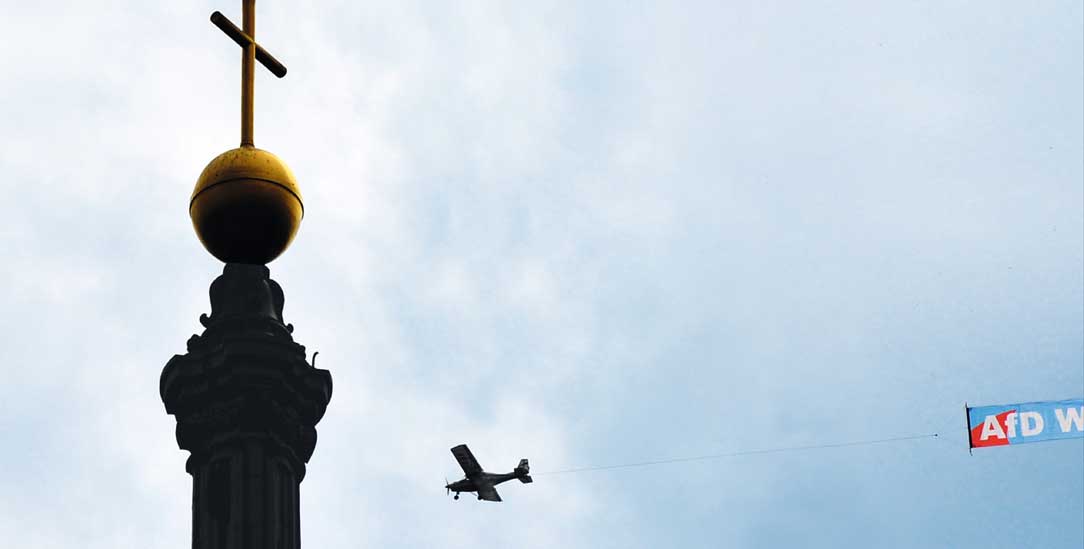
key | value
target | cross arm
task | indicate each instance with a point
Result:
(243, 40)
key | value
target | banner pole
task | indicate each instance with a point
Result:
(967, 417)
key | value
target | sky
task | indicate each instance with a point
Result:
(582, 233)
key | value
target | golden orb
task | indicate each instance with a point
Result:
(246, 206)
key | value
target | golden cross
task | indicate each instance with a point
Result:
(250, 52)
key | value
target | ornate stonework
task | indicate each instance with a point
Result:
(247, 403)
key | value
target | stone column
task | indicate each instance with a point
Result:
(247, 403)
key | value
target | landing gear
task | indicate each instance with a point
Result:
(456, 495)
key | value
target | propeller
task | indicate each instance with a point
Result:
(447, 487)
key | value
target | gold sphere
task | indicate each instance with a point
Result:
(246, 206)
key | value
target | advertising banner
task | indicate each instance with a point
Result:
(1026, 422)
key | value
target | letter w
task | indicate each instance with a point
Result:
(1070, 417)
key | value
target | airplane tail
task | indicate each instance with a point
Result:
(522, 472)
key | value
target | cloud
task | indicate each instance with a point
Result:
(579, 234)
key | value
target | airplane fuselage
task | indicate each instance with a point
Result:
(471, 484)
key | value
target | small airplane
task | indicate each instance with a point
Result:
(480, 481)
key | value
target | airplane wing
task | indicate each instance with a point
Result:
(466, 461)
(488, 493)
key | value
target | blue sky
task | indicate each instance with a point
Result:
(580, 234)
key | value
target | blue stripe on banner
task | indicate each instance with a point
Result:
(1009, 424)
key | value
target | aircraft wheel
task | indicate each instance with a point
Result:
(456, 496)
